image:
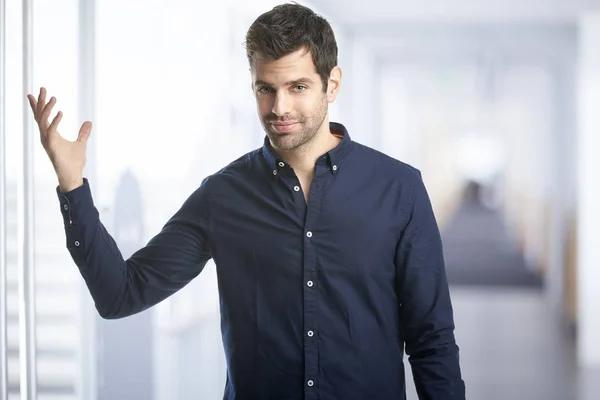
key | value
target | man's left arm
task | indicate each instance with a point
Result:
(426, 313)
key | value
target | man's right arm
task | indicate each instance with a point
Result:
(120, 287)
(166, 264)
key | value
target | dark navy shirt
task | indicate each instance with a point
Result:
(319, 299)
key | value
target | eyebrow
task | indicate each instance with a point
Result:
(288, 83)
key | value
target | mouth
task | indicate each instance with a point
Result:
(283, 127)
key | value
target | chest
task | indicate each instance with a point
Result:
(343, 225)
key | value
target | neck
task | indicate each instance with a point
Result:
(304, 158)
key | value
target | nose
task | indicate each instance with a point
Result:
(282, 105)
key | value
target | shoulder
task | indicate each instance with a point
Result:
(386, 165)
(393, 175)
(241, 168)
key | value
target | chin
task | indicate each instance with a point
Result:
(284, 142)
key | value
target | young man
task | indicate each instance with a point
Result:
(328, 256)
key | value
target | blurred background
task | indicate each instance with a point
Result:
(497, 103)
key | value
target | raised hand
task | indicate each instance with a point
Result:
(68, 158)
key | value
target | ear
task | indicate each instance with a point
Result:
(334, 84)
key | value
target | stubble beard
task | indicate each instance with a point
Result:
(309, 127)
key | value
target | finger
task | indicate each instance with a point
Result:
(32, 103)
(54, 125)
(41, 103)
(84, 132)
(46, 113)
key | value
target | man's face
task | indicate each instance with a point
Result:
(291, 102)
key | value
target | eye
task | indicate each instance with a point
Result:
(300, 88)
(264, 90)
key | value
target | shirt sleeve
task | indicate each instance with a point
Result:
(426, 314)
(169, 261)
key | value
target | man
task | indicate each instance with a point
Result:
(328, 256)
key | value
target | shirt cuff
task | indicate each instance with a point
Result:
(76, 203)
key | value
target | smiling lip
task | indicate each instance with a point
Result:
(283, 126)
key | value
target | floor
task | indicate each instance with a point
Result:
(512, 346)
(478, 251)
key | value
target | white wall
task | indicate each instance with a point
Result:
(588, 187)
(362, 77)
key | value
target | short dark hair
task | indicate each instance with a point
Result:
(288, 28)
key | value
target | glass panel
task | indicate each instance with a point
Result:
(58, 283)
(55, 66)
(14, 162)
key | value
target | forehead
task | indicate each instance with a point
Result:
(291, 66)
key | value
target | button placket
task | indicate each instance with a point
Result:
(311, 312)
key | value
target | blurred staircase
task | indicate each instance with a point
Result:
(58, 302)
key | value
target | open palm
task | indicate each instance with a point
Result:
(67, 157)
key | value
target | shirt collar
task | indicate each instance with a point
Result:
(333, 158)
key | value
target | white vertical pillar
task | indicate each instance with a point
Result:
(87, 380)
(3, 227)
(588, 185)
(27, 343)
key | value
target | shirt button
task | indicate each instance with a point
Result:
(274, 172)
(335, 167)
(76, 243)
(309, 234)
(66, 207)
(281, 164)
(310, 383)
(310, 333)
(309, 283)
(297, 188)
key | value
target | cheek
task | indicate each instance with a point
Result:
(303, 105)
(309, 106)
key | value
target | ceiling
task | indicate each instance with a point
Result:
(435, 31)
(356, 12)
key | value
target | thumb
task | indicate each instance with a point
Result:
(84, 132)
